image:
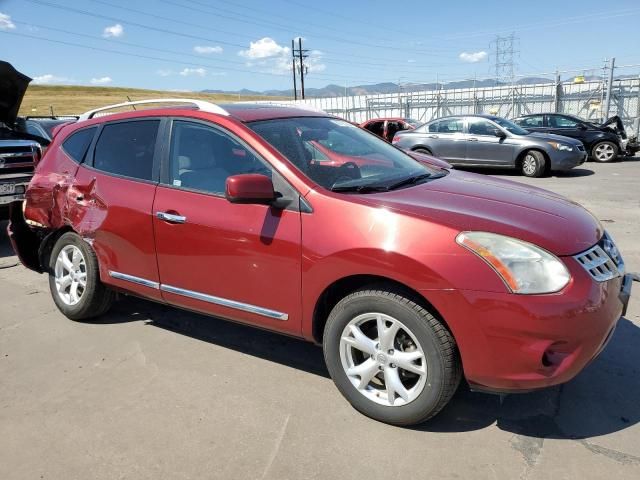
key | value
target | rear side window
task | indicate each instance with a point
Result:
(447, 125)
(78, 143)
(534, 121)
(126, 148)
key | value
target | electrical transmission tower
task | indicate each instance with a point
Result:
(298, 55)
(505, 52)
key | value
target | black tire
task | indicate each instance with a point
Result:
(533, 164)
(443, 368)
(95, 299)
(604, 152)
(424, 151)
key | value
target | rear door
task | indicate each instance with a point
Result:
(446, 139)
(112, 199)
(484, 147)
(238, 261)
(533, 123)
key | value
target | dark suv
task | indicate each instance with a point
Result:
(604, 142)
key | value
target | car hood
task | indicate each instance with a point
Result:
(13, 84)
(467, 201)
(554, 137)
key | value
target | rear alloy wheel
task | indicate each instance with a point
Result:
(604, 152)
(74, 279)
(533, 164)
(391, 359)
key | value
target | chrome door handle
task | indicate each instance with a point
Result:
(170, 217)
(433, 136)
(472, 139)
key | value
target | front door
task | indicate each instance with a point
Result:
(484, 147)
(241, 262)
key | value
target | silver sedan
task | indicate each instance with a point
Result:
(490, 141)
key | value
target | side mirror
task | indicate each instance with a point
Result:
(499, 133)
(582, 126)
(250, 188)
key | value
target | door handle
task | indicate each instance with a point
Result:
(433, 136)
(472, 139)
(170, 217)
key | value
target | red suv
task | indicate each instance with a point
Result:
(408, 274)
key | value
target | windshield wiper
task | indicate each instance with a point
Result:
(359, 188)
(408, 181)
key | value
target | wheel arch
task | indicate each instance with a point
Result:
(342, 287)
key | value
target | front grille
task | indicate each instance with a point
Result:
(603, 261)
(17, 156)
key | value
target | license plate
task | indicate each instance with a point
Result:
(7, 189)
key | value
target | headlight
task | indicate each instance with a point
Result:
(523, 267)
(561, 146)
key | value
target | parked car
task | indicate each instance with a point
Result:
(44, 127)
(490, 141)
(386, 128)
(604, 142)
(409, 275)
(19, 153)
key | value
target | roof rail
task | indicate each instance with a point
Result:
(199, 104)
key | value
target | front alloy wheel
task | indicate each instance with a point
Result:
(386, 364)
(390, 357)
(605, 152)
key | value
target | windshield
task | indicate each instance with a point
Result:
(340, 156)
(414, 123)
(510, 126)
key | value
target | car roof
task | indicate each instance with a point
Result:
(244, 112)
(476, 115)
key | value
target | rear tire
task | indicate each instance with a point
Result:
(410, 372)
(533, 164)
(74, 279)
(604, 152)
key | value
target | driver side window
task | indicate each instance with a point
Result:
(202, 157)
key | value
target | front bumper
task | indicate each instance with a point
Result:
(514, 343)
(20, 183)
(562, 160)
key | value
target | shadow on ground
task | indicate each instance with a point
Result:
(603, 399)
(583, 171)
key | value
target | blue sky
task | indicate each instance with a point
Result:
(234, 44)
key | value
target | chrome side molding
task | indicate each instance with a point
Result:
(225, 302)
(132, 279)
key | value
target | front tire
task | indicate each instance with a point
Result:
(390, 358)
(604, 152)
(74, 279)
(533, 164)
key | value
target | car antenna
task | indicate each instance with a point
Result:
(129, 98)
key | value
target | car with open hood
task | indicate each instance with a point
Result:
(411, 276)
(603, 141)
(19, 151)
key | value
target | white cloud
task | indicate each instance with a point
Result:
(6, 23)
(165, 73)
(201, 72)
(114, 31)
(49, 78)
(411, 60)
(101, 80)
(264, 48)
(270, 57)
(206, 50)
(473, 57)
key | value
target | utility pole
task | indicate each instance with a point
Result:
(607, 105)
(302, 68)
(293, 69)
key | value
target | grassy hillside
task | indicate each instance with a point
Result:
(73, 100)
